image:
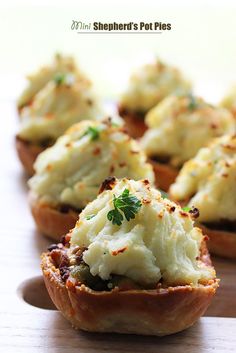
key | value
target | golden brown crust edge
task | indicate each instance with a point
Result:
(50, 221)
(165, 175)
(220, 242)
(134, 122)
(27, 153)
(156, 312)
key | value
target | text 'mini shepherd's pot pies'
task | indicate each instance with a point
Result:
(147, 87)
(208, 182)
(69, 174)
(134, 263)
(177, 128)
(63, 101)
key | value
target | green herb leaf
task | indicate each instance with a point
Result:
(93, 132)
(128, 204)
(186, 209)
(59, 78)
(90, 216)
(115, 217)
(193, 104)
(164, 194)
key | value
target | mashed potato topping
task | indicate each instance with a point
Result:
(159, 242)
(36, 81)
(71, 171)
(150, 84)
(208, 181)
(180, 125)
(229, 101)
(62, 102)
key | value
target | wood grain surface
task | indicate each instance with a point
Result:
(39, 327)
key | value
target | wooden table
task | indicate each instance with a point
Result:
(39, 327)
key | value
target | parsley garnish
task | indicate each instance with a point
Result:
(193, 104)
(164, 195)
(59, 78)
(186, 209)
(93, 132)
(128, 204)
(90, 216)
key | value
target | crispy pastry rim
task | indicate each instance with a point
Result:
(159, 312)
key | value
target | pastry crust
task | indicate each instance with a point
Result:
(222, 243)
(27, 153)
(50, 221)
(134, 122)
(165, 175)
(159, 311)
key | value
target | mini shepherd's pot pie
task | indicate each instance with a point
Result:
(178, 127)
(208, 181)
(36, 81)
(147, 87)
(69, 174)
(62, 102)
(229, 101)
(134, 263)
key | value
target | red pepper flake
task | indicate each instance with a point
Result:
(172, 209)
(30, 103)
(49, 116)
(146, 183)
(56, 256)
(112, 168)
(119, 251)
(108, 184)
(184, 214)
(71, 283)
(65, 239)
(68, 144)
(48, 167)
(96, 151)
(229, 147)
(214, 126)
(90, 102)
(146, 201)
(122, 164)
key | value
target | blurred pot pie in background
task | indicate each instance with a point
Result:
(229, 101)
(149, 85)
(36, 81)
(63, 101)
(134, 263)
(208, 182)
(68, 174)
(177, 128)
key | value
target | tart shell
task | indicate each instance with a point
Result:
(165, 175)
(159, 312)
(27, 153)
(222, 243)
(50, 221)
(134, 122)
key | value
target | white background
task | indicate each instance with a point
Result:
(202, 41)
